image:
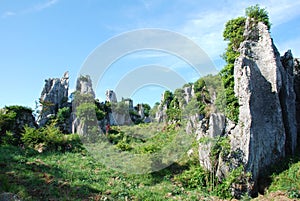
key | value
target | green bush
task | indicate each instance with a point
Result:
(10, 127)
(194, 178)
(259, 14)
(50, 138)
(288, 181)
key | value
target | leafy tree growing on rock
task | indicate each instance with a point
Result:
(233, 33)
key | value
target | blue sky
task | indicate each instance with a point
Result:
(44, 38)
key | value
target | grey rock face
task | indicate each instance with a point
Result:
(161, 114)
(287, 99)
(84, 85)
(297, 91)
(208, 130)
(111, 96)
(264, 87)
(188, 93)
(54, 96)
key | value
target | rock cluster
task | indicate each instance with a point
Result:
(54, 96)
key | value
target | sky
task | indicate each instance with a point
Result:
(40, 39)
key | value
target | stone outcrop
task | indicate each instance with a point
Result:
(111, 96)
(209, 130)
(266, 130)
(161, 114)
(297, 91)
(83, 87)
(54, 96)
(267, 88)
(188, 94)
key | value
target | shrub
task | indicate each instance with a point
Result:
(50, 138)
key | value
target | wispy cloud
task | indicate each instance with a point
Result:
(8, 14)
(45, 5)
(206, 30)
(281, 11)
(206, 27)
(34, 8)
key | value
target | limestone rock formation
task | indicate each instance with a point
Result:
(267, 88)
(266, 130)
(297, 91)
(84, 85)
(161, 114)
(111, 96)
(54, 96)
(208, 130)
(188, 93)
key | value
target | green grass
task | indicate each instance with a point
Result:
(287, 181)
(76, 175)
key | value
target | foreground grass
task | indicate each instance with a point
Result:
(77, 176)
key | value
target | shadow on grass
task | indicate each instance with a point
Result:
(168, 172)
(36, 180)
(266, 178)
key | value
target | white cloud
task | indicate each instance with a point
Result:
(34, 8)
(281, 11)
(45, 5)
(8, 14)
(206, 28)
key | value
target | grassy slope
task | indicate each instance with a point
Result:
(77, 176)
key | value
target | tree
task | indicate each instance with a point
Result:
(258, 14)
(233, 33)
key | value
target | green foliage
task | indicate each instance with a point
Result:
(199, 85)
(233, 33)
(258, 14)
(287, 181)
(234, 30)
(174, 112)
(194, 178)
(147, 109)
(154, 109)
(88, 112)
(235, 176)
(10, 129)
(50, 138)
(168, 97)
(63, 114)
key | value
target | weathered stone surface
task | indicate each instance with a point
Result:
(161, 114)
(287, 99)
(84, 85)
(53, 97)
(111, 96)
(188, 93)
(207, 131)
(297, 91)
(264, 87)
